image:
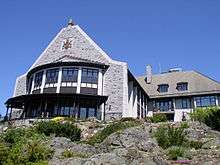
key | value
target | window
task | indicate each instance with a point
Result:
(69, 74)
(52, 76)
(185, 103)
(205, 101)
(89, 76)
(163, 88)
(38, 79)
(30, 84)
(164, 105)
(182, 86)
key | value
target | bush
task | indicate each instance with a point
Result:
(210, 116)
(168, 136)
(64, 130)
(4, 150)
(23, 146)
(13, 135)
(113, 127)
(175, 152)
(184, 125)
(156, 118)
(30, 151)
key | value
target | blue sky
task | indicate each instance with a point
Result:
(181, 33)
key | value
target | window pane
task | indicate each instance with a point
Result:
(163, 88)
(205, 101)
(164, 105)
(182, 86)
(91, 112)
(69, 74)
(30, 84)
(38, 79)
(82, 113)
(52, 76)
(90, 76)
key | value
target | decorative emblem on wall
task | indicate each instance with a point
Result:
(67, 44)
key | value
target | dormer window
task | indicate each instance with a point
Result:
(182, 86)
(162, 88)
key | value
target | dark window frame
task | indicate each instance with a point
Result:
(52, 76)
(30, 84)
(205, 101)
(163, 88)
(186, 103)
(182, 86)
(70, 74)
(38, 79)
(164, 105)
(89, 75)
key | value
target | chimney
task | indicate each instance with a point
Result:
(149, 74)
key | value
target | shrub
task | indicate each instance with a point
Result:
(59, 129)
(13, 135)
(113, 127)
(4, 150)
(156, 118)
(175, 152)
(71, 154)
(184, 125)
(168, 136)
(23, 146)
(210, 116)
(29, 151)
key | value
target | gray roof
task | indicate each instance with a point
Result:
(198, 84)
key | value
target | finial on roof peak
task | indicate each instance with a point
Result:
(70, 23)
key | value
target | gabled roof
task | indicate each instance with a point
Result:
(198, 84)
(82, 48)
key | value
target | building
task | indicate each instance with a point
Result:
(75, 77)
(177, 93)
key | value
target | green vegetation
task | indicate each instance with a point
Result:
(111, 128)
(62, 130)
(156, 118)
(23, 146)
(27, 146)
(210, 116)
(173, 139)
(175, 152)
(71, 154)
(168, 136)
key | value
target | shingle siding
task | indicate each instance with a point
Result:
(197, 84)
(83, 48)
(20, 86)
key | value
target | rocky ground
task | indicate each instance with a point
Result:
(134, 146)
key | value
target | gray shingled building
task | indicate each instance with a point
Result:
(74, 77)
(177, 93)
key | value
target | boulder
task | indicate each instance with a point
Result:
(136, 137)
(60, 144)
(69, 161)
(105, 158)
